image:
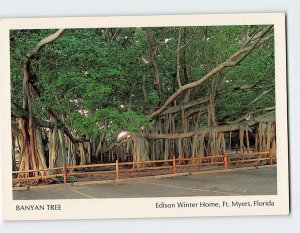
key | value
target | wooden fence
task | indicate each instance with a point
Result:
(224, 160)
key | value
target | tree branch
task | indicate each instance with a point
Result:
(43, 42)
(229, 62)
(18, 112)
(188, 41)
(249, 114)
(268, 117)
(178, 59)
(178, 108)
(29, 77)
(259, 97)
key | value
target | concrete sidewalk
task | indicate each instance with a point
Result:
(261, 181)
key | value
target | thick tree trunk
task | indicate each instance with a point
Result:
(62, 159)
(53, 144)
(40, 150)
(82, 154)
(140, 149)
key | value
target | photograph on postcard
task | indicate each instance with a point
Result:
(135, 111)
(110, 104)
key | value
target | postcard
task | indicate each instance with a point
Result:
(144, 116)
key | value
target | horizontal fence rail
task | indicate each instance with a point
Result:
(116, 168)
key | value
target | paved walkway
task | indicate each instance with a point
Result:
(261, 181)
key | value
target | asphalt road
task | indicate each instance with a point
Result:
(261, 181)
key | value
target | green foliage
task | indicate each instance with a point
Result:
(99, 80)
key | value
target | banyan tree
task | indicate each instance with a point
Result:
(82, 96)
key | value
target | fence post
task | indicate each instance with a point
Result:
(174, 164)
(117, 169)
(271, 157)
(65, 172)
(225, 161)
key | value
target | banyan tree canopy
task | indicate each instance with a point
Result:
(183, 91)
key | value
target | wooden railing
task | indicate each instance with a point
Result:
(225, 160)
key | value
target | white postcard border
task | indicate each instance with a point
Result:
(145, 207)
